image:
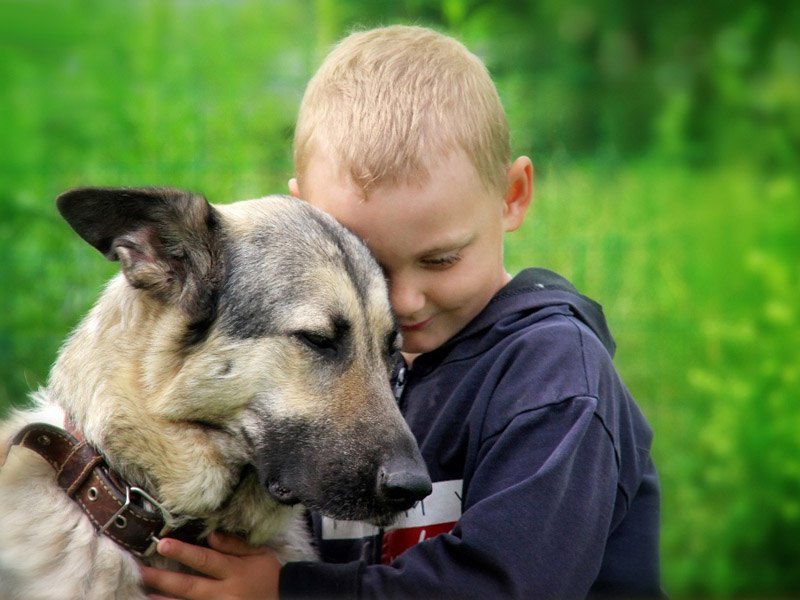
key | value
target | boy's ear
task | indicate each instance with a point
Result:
(294, 189)
(518, 194)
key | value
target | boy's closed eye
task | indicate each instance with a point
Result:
(442, 261)
(445, 255)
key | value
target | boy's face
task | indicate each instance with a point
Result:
(440, 244)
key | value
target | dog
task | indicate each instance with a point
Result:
(236, 370)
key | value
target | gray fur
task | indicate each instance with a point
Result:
(236, 366)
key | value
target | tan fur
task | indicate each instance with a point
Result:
(140, 397)
(59, 540)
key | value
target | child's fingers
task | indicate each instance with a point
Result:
(203, 560)
(179, 585)
(233, 544)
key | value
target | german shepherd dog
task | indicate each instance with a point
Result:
(236, 370)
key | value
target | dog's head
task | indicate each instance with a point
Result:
(242, 340)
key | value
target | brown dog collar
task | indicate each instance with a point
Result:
(127, 514)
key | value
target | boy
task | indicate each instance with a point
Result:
(543, 482)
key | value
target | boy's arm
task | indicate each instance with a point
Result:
(537, 515)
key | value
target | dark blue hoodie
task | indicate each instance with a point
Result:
(543, 482)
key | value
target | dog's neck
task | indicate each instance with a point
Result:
(69, 425)
(127, 514)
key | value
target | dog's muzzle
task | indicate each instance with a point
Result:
(344, 475)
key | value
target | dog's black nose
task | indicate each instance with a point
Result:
(404, 486)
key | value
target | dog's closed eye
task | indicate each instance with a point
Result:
(317, 341)
(326, 341)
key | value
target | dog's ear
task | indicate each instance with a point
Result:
(167, 241)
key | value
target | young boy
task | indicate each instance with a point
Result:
(543, 482)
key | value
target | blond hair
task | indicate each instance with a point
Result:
(387, 103)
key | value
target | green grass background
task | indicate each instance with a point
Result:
(665, 140)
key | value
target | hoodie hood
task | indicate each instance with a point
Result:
(533, 292)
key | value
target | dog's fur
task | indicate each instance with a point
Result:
(237, 365)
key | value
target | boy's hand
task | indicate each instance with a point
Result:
(235, 570)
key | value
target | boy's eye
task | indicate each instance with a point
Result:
(441, 262)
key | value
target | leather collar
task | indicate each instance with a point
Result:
(125, 513)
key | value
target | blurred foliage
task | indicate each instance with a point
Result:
(699, 276)
(665, 138)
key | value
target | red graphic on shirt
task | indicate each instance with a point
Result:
(397, 541)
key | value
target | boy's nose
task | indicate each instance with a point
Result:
(406, 298)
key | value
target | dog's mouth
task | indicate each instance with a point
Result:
(338, 501)
(345, 504)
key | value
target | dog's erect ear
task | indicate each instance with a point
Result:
(166, 240)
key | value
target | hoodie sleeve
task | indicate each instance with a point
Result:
(537, 513)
